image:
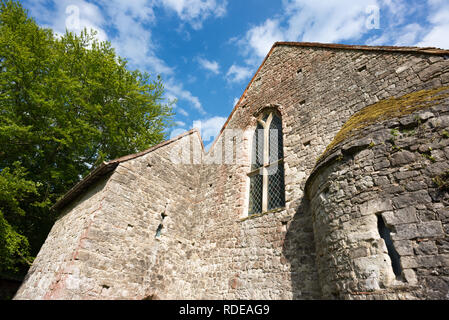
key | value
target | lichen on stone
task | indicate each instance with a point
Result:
(442, 181)
(388, 109)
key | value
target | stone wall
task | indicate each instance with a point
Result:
(54, 268)
(208, 248)
(104, 245)
(397, 171)
(316, 91)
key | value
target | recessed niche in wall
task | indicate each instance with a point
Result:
(384, 233)
(362, 68)
(159, 231)
(299, 73)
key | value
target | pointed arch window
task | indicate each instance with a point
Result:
(267, 189)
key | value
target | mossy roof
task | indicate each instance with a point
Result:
(387, 109)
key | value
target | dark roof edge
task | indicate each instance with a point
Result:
(424, 50)
(109, 166)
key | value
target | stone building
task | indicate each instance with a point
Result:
(341, 193)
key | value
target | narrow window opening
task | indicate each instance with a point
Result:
(163, 216)
(362, 68)
(159, 231)
(384, 233)
(303, 102)
(307, 143)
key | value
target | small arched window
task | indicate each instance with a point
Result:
(267, 190)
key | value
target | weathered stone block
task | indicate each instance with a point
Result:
(431, 71)
(426, 248)
(410, 276)
(381, 181)
(359, 252)
(401, 216)
(404, 247)
(375, 206)
(431, 261)
(409, 262)
(430, 229)
(384, 163)
(402, 157)
(411, 198)
(425, 115)
(405, 231)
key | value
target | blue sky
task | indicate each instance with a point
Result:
(208, 50)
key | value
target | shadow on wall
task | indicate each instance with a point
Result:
(8, 288)
(299, 249)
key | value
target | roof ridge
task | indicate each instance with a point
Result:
(108, 166)
(162, 144)
(428, 50)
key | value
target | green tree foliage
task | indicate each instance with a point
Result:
(14, 188)
(66, 104)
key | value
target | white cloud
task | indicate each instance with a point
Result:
(176, 132)
(236, 99)
(308, 20)
(180, 123)
(437, 35)
(133, 20)
(133, 39)
(409, 35)
(378, 40)
(176, 90)
(196, 11)
(209, 127)
(396, 27)
(400, 26)
(130, 24)
(182, 111)
(212, 66)
(326, 21)
(385, 22)
(262, 37)
(71, 15)
(238, 73)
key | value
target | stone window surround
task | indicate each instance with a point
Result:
(258, 116)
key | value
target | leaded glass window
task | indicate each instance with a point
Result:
(267, 190)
